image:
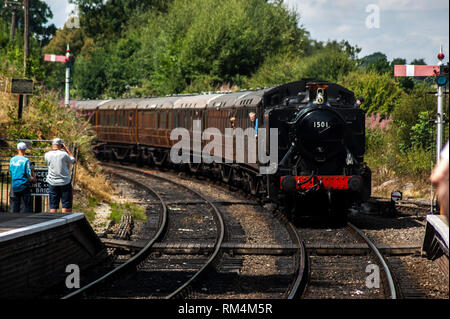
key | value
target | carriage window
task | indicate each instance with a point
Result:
(156, 119)
(163, 120)
(169, 120)
(175, 119)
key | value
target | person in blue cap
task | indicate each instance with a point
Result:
(22, 176)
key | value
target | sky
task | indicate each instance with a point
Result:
(406, 29)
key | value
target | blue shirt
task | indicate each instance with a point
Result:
(20, 169)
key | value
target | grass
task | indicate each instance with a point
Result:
(117, 211)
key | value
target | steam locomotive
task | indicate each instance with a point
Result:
(312, 129)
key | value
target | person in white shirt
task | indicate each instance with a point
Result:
(58, 161)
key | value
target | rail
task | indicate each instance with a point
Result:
(133, 261)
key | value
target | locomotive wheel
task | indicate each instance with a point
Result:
(226, 173)
(195, 167)
(252, 183)
(159, 157)
(147, 158)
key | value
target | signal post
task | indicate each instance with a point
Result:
(69, 61)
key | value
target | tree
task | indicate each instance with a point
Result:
(376, 62)
(40, 14)
(105, 20)
(418, 62)
(193, 41)
(381, 92)
(224, 40)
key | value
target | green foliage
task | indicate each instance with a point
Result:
(46, 117)
(107, 20)
(415, 162)
(414, 110)
(40, 14)
(328, 64)
(423, 132)
(376, 62)
(381, 92)
(107, 72)
(177, 50)
(11, 63)
(117, 211)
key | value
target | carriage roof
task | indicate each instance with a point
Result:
(87, 105)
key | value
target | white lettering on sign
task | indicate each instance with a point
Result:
(41, 186)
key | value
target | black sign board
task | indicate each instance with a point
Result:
(41, 186)
(21, 86)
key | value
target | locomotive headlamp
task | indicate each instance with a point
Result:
(319, 97)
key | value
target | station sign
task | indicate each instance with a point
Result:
(41, 186)
(21, 86)
(17, 86)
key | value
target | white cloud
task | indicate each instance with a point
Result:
(412, 5)
(408, 28)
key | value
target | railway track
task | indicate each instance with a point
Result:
(337, 264)
(209, 226)
(195, 257)
(337, 273)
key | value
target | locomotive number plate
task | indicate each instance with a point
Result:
(319, 124)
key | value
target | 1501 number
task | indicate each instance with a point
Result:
(319, 124)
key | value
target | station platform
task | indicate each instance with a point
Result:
(436, 242)
(35, 250)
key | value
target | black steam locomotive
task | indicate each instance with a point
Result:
(314, 129)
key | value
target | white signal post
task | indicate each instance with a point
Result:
(439, 115)
(63, 59)
(67, 97)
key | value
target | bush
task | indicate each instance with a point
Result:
(328, 64)
(382, 94)
(415, 163)
(411, 120)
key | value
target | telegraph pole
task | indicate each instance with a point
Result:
(13, 26)
(13, 5)
(26, 35)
